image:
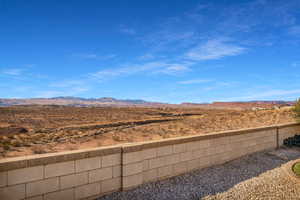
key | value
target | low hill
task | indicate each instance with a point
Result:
(108, 101)
(76, 101)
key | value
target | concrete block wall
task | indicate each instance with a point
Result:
(87, 174)
(147, 162)
(61, 176)
(285, 131)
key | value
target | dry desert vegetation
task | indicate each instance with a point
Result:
(26, 130)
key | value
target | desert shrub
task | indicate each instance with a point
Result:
(117, 138)
(296, 169)
(38, 149)
(296, 110)
(6, 147)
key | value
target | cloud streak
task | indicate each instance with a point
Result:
(294, 30)
(12, 72)
(194, 81)
(127, 30)
(214, 49)
(151, 67)
(95, 56)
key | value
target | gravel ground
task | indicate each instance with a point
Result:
(257, 176)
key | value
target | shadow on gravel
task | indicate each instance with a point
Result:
(209, 181)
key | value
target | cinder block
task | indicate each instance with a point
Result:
(42, 187)
(205, 162)
(132, 181)
(218, 159)
(193, 164)
(73, 180)
(145, 165)
(235, 146)
(16, 192)
(266, 139)
(179, 148)
(237, 138)
(214, 160)
(111, 185)
(25, 175)
(150, 175)
(3, 179)
(134, 168)
(156, 162)
(289, 130)
(200, 153)
(165, 150)
(132, 157)
(235, 154)
(170, 159)
(60, 195)
(87, 190)
(254, 135)
(59, 169)
(268, 132)
(202, 144)
(185, 156)
(180, 168)
(219, 141)
(253, 142)
(165, 171)
(111, 160)
(116, 171)
(192, 146)
(36, 198)
(100, 174)
(221, 149)
(87, 164)
(149, 153)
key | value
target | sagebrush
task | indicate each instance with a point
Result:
(297, 110)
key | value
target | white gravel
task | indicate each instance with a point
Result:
(257, 176)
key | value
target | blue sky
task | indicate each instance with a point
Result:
(169, 51)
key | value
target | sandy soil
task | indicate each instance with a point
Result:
(26, 130)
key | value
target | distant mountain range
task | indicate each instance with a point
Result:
(243, 104)
(108, 101)
(77, 101)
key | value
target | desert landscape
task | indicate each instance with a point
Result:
(150, 100)
(37, 129)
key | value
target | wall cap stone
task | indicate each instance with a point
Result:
(8, 164)
(132, 147)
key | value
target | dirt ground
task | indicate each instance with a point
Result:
(26, 130)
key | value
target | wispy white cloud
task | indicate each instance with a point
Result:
(214, 49)
(294, 30)
(151, 67)
(296, 64)
(147, 56)
(173, 69)
(88, 56)
(12, 71)
(194, 81)
(162, 40)
(127, 30)
(244, 21)
(95, 56)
